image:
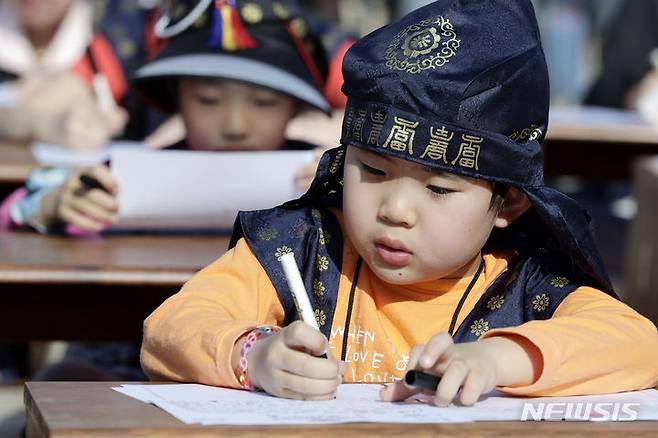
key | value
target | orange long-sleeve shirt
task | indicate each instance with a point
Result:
(593, 343)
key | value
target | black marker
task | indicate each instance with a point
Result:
(90, 183)
(420, 379)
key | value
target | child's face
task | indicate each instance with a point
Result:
(411, 224)
(42, 15)
(229, 115)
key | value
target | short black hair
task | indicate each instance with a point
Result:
(498, 196)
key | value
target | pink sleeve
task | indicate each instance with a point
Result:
(6, 221)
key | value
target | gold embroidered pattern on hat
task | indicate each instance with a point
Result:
(422, 46)
(280, 11)
(298, 26)
(252, 13)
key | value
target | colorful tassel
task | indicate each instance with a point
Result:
(228, 31)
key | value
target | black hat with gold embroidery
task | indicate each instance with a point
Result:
(260, 42)
(462, 86)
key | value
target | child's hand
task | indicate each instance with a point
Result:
(87, 209)
(286, 364)
(85, 126)
(65, 111)
(475, 367)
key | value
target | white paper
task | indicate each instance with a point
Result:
(166, 189)
(47, 154)
(355, 403)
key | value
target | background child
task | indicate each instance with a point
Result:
(235, 92)
(429, 242)
(194, 74)
(49, 52)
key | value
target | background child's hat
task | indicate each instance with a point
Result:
(462, 87)
(259, 42)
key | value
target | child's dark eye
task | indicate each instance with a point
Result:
(371, 170)
(207, 100)
(438, 191)
(265, 103)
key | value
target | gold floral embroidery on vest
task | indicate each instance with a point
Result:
(320, 317)
(324, 237)
(268, 234)
(540, 302)
(495, 302)
(281, 251)
(298, 229)
(558, 281)
(479, 327)
(422, 46)
(318, 287)
(316, 213)
(323, 263)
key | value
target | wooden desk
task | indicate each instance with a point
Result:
(596, 143)
(61, 288)
(92, 409)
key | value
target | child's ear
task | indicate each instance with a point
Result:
(516, 203)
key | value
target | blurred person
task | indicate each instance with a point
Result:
(51, 52)
(229, 98)
(231, 94)
(628, 57)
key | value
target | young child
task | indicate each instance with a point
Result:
(50, 51)
(428, 241)
(237, 72)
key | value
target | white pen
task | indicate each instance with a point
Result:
(299, 295)
(103, 92)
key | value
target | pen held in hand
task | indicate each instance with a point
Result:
(419, 379)
(299, 294)
(89, 183)
(103, 92)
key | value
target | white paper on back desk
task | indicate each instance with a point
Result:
(354, 403)
(168, 189)
(47, 154)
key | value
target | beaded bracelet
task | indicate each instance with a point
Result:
(252, 337)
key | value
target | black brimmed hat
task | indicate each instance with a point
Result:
(260, 42)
